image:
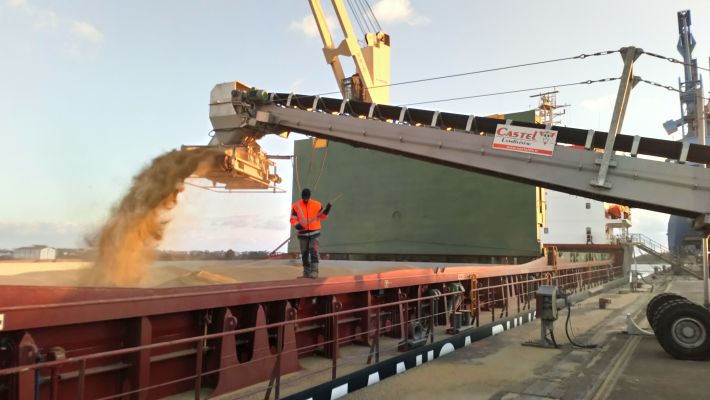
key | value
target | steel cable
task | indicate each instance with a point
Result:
(365, 17)
(374, 17)
(674, 60)
(356, 14)
(667, 87)
(587, 82)
(494, 69)
(582, 56)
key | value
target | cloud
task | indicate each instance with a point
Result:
(650, 223)
(46, 20)
(386, 11)
(19, 4)
(82, 34)
(307, 25)
(396, 11)
(88, 32)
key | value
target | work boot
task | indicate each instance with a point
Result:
(313, 273)
(306, 271)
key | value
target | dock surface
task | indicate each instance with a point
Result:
(621, 367)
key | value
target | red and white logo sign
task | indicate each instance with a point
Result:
(525, 140)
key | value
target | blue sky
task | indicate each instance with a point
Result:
(92, 90)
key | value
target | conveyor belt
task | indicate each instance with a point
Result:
(674, 184)
(569, 136)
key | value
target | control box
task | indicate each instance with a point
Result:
(546, 302)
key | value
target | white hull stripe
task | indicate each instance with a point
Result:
(396, 365)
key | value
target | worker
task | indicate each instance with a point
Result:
(306, 215)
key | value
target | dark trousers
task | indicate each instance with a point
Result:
(309, 255)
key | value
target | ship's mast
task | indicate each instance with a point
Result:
(689, 86)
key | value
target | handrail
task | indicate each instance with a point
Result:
(640, 238)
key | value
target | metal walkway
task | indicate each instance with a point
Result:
(654, 248)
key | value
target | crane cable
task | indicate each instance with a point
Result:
(364, 16)
(357, 17)
(374, 17)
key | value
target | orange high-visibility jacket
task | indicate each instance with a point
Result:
(308, 215)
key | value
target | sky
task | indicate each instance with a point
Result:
(91, 91)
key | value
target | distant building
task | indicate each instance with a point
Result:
(36, 252)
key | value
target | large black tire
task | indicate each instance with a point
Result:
(656, 302)
(657, 315)
(683, 329)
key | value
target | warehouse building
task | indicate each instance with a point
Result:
(36, 252)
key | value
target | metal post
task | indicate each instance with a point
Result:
(81, 380)
(701, 139)
(377, 336)
(336, 343)
(630, 54)
(275, 380)
(706, 295)
(198, 368)
(432, 315)
(279, 351)
(54, 391)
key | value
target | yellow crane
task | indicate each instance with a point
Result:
(245, 166)
(371, 81)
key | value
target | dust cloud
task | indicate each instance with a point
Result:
(127, 241)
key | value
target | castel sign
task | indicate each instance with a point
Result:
(525, 140)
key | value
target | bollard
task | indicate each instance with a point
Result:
(603, 301)
(457, 320)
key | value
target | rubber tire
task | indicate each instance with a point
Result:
(668, 314)
(657, 315)
(656, 302)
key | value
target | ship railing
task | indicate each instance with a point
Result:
(492, 299)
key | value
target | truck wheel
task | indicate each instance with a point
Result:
(683, 329)
(657, 301)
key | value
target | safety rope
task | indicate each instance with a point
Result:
(322, 168)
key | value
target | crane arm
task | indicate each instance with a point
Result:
(328, 44)
(372, 62)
